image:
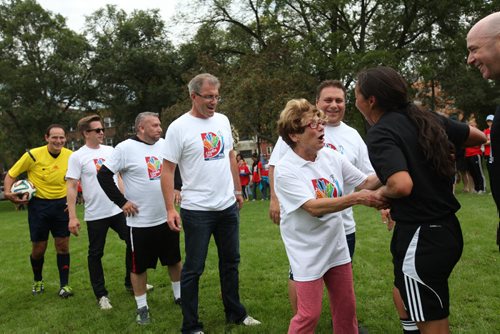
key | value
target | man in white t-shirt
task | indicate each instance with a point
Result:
(330, 98)
(101, 213)
(138, 160)
(201, 143)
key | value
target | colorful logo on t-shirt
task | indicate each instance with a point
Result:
(326, 189)
(98, 163)
(154, 167)
(213, 146)
(339, 149)
(329, 145)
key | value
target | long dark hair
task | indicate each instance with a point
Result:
(391, 93)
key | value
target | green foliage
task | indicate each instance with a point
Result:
(133, 64)
(475, 298)
(43, 66)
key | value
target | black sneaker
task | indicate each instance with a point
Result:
(142, 317)
(178, 301)
(362, 330)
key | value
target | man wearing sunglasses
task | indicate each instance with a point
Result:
(101, 213)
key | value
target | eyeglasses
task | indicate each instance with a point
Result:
(97, 130)
(209, 97)
(314, 123)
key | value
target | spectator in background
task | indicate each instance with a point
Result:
(474, 164)
(487, 146)
(264, 181)
(244, 175)
(462, 173)
(256, 177)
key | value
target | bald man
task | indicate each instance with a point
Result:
(483, 43)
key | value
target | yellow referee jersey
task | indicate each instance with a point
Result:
(44, 171)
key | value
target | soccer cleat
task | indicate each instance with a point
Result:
(37, 288)
(178, 301)
(142, 317)
(104, 303)
(66, 292)
(249, 321)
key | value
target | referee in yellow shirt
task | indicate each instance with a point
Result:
(46, 167)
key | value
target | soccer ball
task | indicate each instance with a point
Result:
(23, 186)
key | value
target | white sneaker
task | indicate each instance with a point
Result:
(198, 332)
(249, 321)
(104, 303)
(149, 287)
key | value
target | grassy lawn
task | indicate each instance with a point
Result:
(475, 283)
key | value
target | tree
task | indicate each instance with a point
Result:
(43, 70)
(134, 66)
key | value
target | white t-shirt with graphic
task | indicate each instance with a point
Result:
(313, 244)
(83, 165)
(201, 149)
(140, 165)
(349, 143)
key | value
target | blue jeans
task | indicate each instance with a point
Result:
(198, 229)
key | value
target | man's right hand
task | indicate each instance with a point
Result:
(130, 209)
(174, 220)
(16, 198)
(74, 226)
(274, 210)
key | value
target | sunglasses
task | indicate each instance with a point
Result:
(97, 130)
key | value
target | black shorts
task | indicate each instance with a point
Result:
(46, 215)
(424, 257)
(152, 243)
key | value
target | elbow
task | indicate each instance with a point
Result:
(402, 190)
(315, 212)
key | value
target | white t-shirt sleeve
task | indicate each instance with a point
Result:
(351, 175)
(279, 150)
(74, 168)
(115, 163)
(172, 146)
(364, 163)
(290, 189)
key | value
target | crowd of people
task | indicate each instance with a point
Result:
(320, 168)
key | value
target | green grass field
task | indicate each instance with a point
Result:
(475, 283)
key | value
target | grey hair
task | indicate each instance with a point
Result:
(140, 118)
(196, 83)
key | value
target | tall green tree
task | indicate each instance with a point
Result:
(134, 65)
(43, 70)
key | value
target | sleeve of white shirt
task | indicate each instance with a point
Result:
(229, 141)
(115, 162)
(290, 188)
(172, 145)
(364, 163)
(350, 173)
(74, 168)
(279, 150)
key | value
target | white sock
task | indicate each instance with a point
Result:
(176, 288)
(141, 301)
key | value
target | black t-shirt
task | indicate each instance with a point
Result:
(393, 147)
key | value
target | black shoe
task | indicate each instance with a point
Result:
(142, 317)
(178, 301)
(362, 330)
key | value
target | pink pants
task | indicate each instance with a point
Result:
(338, 281)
